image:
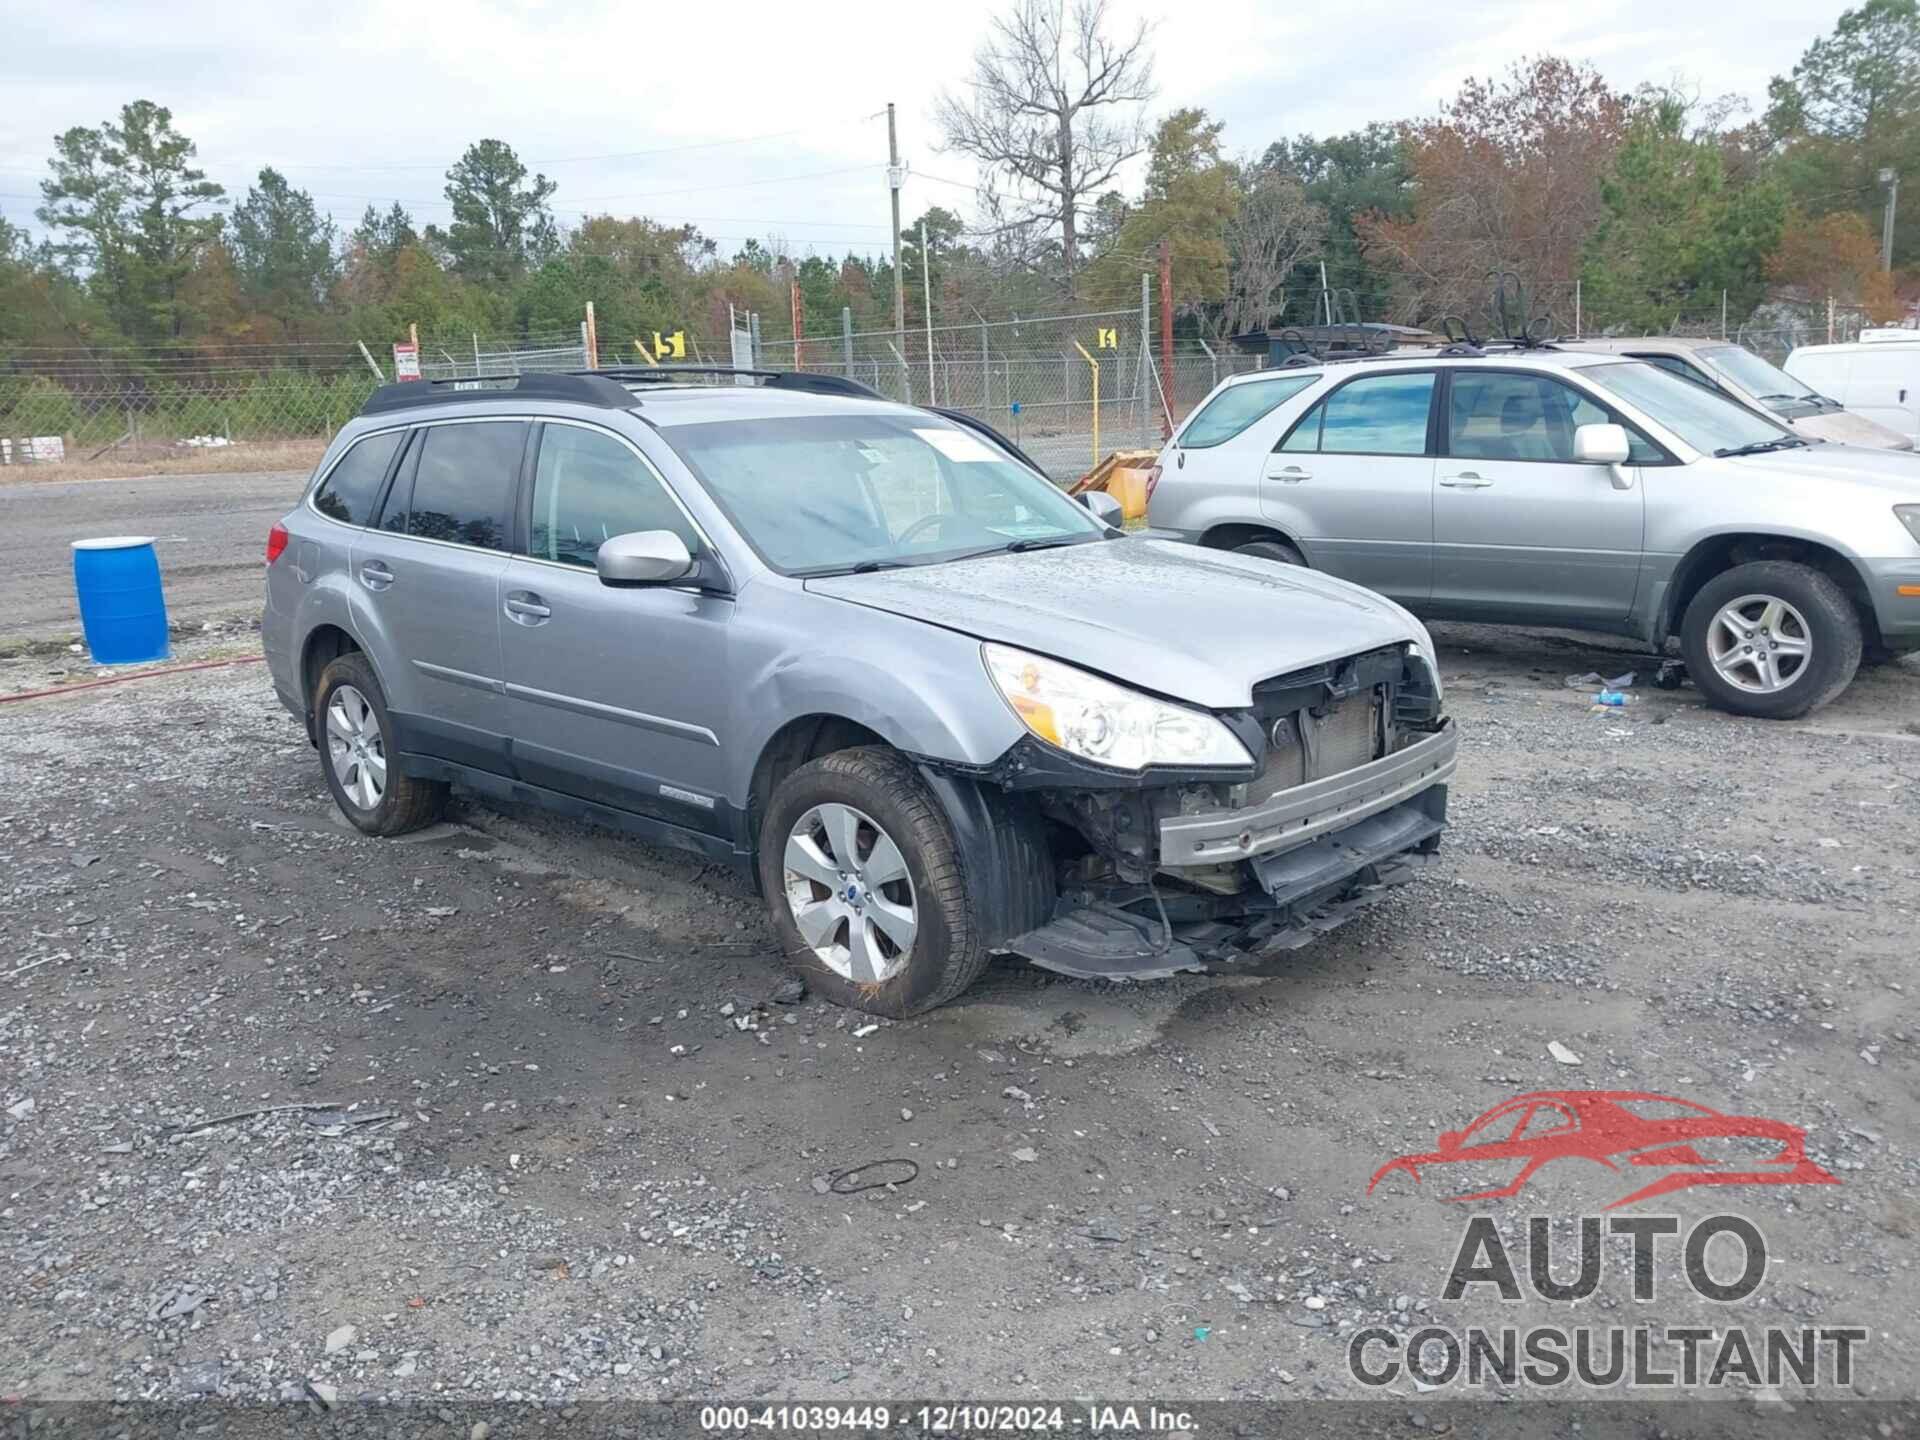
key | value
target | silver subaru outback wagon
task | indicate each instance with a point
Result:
(865, 650)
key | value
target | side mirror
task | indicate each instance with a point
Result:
(1104, 507)
(643, 557)
(1600, 445)
(1605, 445)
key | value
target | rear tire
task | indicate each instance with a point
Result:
(899, 859)
(1272, 550)
(358, 756)
(1771, 639)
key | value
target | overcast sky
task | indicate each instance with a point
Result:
(753, 118)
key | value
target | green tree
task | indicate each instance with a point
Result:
(501, 224)
(1363, 172)
(283, 247)
(1850, 108)
(1674, 232)
(121, 203)
(1191, 193)
(380, 237)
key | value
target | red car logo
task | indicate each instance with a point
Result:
(1621, 1127)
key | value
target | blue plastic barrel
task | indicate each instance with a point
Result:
(122, 607)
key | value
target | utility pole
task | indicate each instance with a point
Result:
(896, 175)
(926, 292)
(1890, 178)
(1166, 334)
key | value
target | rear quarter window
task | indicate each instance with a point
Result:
(1237, 407)
(352, 485)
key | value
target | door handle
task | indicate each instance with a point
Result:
(375, 575)
(1465, 480)
(527, 607)
(1290, 475)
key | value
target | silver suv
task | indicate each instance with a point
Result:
(867, 651)
(1534, 486)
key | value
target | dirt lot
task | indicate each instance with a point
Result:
(565, 1171)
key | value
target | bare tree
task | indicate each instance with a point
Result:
(1275, 229)
(1054, 108)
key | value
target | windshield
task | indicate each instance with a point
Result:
(1698, 416)
(1754, 375)
(822, 493)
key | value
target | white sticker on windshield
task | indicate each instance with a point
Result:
(959, 445)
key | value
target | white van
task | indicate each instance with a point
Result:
(1877, 377)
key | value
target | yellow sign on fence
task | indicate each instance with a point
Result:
(1106, 339)
(670, 347)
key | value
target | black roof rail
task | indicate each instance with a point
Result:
(806, 381)
(539, 385)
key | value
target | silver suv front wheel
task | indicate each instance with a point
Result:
(1771, 638)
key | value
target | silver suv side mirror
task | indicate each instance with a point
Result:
(1605, 445)
(1104, 507)
(643, 557)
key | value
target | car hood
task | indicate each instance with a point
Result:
(1196, 625)
(1896, 472)
(1846, 429)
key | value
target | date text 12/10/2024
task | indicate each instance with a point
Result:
(946, 1419)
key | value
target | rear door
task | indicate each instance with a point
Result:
(613, 694)
(1520, 530)
(1352, 479)
(426, 588)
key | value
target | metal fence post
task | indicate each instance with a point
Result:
(1213, 362)
(846, 337)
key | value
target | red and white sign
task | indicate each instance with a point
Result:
(406, 362)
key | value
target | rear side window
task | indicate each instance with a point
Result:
(462, 484)
(348, 492)
(1237, 407)
(1375, 415)
(588, 488)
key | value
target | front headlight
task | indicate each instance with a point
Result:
(1103, 722)
(1909, 517)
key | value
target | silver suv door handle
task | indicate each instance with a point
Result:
(375, 575)
(1465, 480)
(526, 607)
(1290, 475)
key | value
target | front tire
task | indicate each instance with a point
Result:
(1771, 639)
(358, 756)
(863, 879)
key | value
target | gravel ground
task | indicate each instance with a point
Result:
(513, 1109)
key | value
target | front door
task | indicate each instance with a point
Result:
(1520, 531)
(426, 588)
(612, 692)
(1353, 481)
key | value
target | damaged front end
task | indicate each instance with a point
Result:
(1208, 870)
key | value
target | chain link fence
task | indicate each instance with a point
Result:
(1069, 389)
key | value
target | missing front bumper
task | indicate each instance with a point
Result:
(1302, 894)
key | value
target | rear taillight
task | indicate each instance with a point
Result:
(1153, 479)
(276, 542)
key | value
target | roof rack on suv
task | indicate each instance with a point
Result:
(806, 381)
(607, 388)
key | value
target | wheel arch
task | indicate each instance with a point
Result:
(1716, 554)
(1233, 534)
(324, 644)
(800, 740)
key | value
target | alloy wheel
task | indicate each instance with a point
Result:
(356, 748)
(1759, 644)
(848, 890)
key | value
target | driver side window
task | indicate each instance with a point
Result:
(589, 487)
